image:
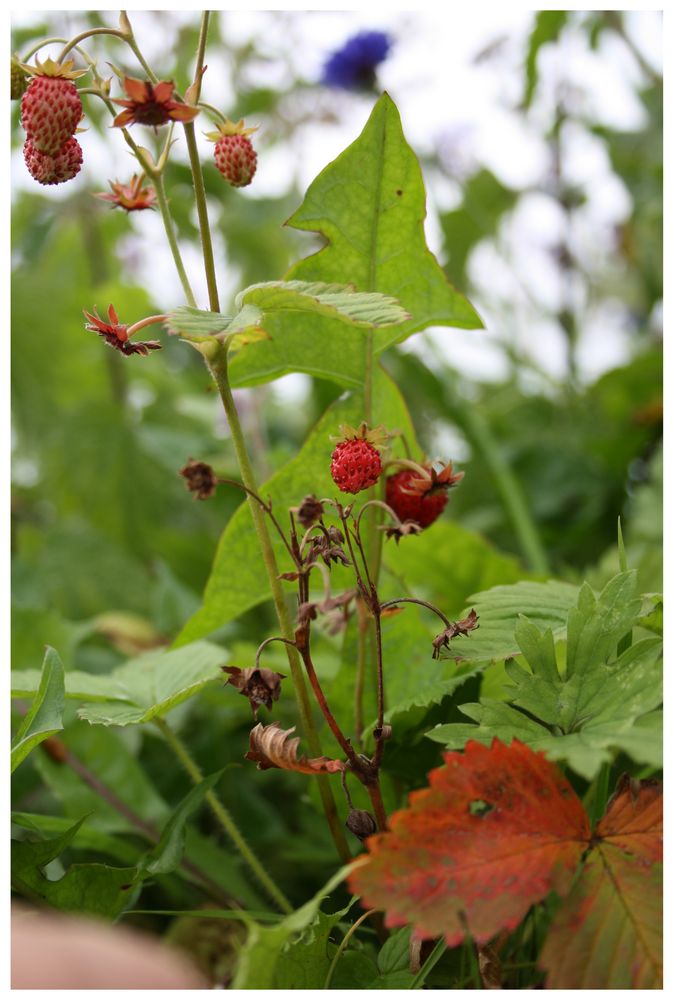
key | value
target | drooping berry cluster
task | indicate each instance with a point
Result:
(235, 157)
(51, 110)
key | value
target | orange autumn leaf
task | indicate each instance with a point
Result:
(271, 746)
(496, 831)
(607, 934)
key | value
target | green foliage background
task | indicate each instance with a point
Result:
(111, 555)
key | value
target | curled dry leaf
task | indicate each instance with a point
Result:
(271, 746)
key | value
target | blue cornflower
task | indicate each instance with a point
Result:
(353, 66)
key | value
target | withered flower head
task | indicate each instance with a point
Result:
(200, 479)
(462, 627)
(151, 105)
(132, 197)
(328, 547)
(401, 530)
(309, 511)
(259, 685)
(116, 334)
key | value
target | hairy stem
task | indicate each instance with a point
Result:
(172, 241)
(223, 817)
(198, 177)
(87, 34)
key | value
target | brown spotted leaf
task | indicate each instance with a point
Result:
(271, 746)
(607, 934)
(497, 830)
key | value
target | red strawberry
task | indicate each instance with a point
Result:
(51, 108)
(53, 169)
(235, 157)
(356, 463)
(420, 494)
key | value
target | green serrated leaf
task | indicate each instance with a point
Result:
(45, 716)
(598, 705)
(187, 321)
(369, 204)
(156, 682)
(167, 854)
(338, 301)
(87, 888)
(261, 964)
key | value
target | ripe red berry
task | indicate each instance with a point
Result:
(412, 501)
(355, 466)
(51, 110)
(53, 169)
(236, 159)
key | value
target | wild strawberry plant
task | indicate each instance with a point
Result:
(502, 870)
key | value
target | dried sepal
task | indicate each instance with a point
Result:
(462, 627)
(309, 511)
(271, 746)
(200, 479)
(258, 684)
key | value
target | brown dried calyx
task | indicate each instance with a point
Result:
(328, 547)
(462, 627)
(309, 511)
(200, 479)
(259, 685)
(271, 746)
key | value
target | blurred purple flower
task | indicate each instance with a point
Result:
(353, 66)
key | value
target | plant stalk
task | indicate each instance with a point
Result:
(223, 817)
(217, 364)
(172, 241)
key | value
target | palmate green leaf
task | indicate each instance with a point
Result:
(238, 579)
(79, 685)
(44, 718)
(369, 205)
(156, 682)
(545, 604)
(595, 705)
(291, 954)
(168, 853)
(86, 888)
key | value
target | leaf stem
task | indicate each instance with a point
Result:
(223, 816)
(342, 946)
(115, 32)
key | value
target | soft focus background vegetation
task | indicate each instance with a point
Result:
(545, 209)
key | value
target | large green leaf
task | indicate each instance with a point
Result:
(87, 888)
(155, 683)
(285, 955)
(44, 718)
(445, 564)
(369, 205)
(238, 579)
(593, 705)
